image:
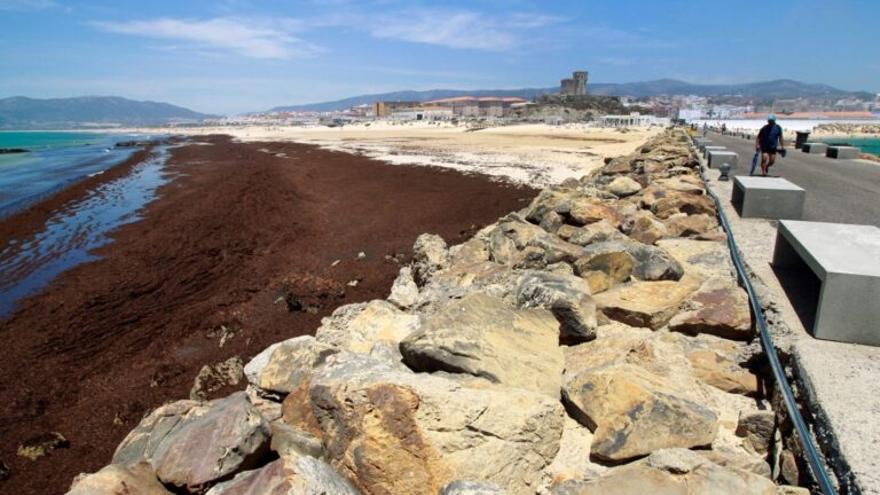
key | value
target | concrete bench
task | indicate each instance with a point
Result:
(703, 144)
(717, 157)
(767, 197)
(846, 260)
(707, 149)
(815, 148)
(842, 152)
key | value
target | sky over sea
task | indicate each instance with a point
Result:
(238, 55)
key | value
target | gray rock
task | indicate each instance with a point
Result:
(294, 476)
(623, 186)
(404, 291)
(604, 265)
(358, 327)
(653, 263)
(228, 434)
(567, 297)
(429, 255)
(600, 231)
(289, 441)
(757, 428)
(282, 367)
(552, 221)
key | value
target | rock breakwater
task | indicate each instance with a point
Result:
(593, 342)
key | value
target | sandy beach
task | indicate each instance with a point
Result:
(535, 154)
(250, 244)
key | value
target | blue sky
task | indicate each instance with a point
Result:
(239, 55)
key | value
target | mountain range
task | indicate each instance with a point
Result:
(765, 91)
(20, 112)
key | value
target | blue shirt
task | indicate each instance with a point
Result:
(769, 135)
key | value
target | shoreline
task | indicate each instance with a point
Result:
(30, 218)
(215, 268)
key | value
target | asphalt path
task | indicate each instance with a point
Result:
(840, 191)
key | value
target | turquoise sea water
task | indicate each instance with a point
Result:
(74, 231)
(867, 145)
(55, 160)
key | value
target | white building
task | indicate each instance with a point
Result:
(634, 119)
(428, 113)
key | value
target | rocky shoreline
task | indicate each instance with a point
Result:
(593, 342)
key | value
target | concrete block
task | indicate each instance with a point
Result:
(846, 260)
(705, 142)
(706, 149)
(717, 157)
(842, 152)
(815, 148)
(767, 197)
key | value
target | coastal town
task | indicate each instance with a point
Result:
(573, 103)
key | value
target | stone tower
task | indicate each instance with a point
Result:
(580, 82)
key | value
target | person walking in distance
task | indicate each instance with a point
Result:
(768, 137)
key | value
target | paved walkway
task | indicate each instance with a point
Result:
(841, 382)
(841, 191)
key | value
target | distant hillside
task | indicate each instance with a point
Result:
(20, 112)
(427, 95)
(769, 90)
(772, 90)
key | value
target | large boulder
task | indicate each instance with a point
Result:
(653, 263)
(623, 186)
(301, 475)
(665, 203)
(635, 389)
(137, 479)
(586, 210)
(284, 366)
(701, 259)
(645, 304)
(716, 363)
(634, 413)
(604, 265)
(719, 307)
(566, 296)
(690, 225)
(600, 231)
(389, 431)
(358, 327)
(646, 228)
(675, 472)
(228, 434)
(483, 336)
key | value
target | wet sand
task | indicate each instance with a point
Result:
(239, 232)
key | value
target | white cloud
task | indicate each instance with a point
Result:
(251, 38)
(458, 29)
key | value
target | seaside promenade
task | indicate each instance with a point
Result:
(836, 380)
(841, 191)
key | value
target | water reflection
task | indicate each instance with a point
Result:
(71, 233)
